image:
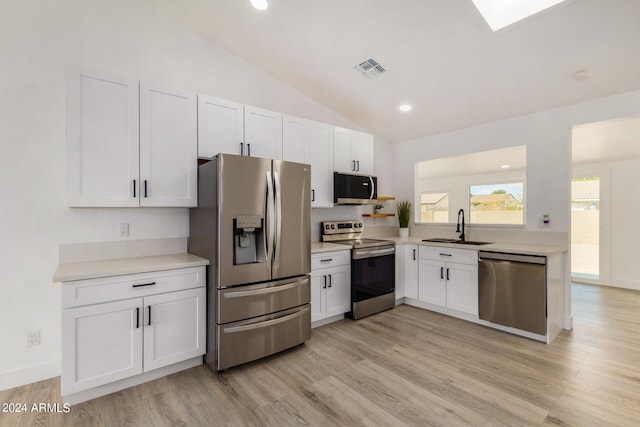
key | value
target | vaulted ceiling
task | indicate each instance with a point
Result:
(440, 56)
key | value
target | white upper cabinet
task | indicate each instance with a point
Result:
(262, 133)
(129, 144)
(306, 141)
(168, 147)
(220, 126)
(233, 128)
(102, 139)
(353, 151)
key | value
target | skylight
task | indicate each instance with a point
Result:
(502, 13)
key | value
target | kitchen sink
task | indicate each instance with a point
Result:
(472, 242)
(440, 240)
(459, 242)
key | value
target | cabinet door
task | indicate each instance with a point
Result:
(318, 299)
(432, 287)
(295, 142)
(174, 327)
(462, 288)
(401, 273)
(362, 152)
(338, 290)
(320, 148)
(102, 139)
(411, 271)
(342, 160)
(101, 343)
(168, 147)
(262, 133)
(220, 126)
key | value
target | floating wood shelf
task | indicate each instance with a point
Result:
(378, 215)
(386, 198)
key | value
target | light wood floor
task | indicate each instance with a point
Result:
(403, 367)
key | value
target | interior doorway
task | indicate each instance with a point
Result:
(585, 228)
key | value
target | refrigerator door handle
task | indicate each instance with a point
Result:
(278, 213)
(270, 223)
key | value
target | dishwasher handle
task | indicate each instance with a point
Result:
(500, 256)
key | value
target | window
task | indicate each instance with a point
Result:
(434, 207)
(497, 203)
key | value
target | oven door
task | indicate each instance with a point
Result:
(373, 272)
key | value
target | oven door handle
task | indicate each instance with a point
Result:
(359, 253)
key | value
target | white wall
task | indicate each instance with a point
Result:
(38, 39)
(546, 134)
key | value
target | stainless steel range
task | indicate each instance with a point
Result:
(373, 264)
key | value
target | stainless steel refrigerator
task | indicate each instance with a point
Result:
(253, 224)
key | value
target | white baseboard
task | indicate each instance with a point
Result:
(30, 374)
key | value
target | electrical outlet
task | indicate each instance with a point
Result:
(123, 229)
(33, 338)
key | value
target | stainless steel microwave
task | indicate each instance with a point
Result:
(350, 189)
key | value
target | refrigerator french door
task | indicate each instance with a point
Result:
(253, 224)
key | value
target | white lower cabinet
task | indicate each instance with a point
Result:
(406, 271)
(115, 328)
(449, 278)
(330, 284)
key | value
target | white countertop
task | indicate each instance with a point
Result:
(116, 267)
(320, 247)
(516, 248)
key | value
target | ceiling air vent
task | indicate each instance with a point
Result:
(370, 68)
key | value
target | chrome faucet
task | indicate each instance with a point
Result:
(461, 211)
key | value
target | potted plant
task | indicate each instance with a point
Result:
(404, 215)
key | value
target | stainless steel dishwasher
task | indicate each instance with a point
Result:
(512, 290)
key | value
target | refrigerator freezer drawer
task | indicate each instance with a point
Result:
(249, 340)
(245, 302)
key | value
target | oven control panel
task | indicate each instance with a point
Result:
(342, 227)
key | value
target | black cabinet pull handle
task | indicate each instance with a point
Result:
(313, 195)
(137, 317)
(249, 150)
(149, 316)
(145, 188)
(324, 278)
(353, 165)
(326, 260)
(358, 168)
(139, 285)
(442, 272)
(414, 254)
(242, 149)
(329, 280)
(445, 254)
(447, 273)
(134, 188)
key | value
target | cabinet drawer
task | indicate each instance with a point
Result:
(106, 289)
(461, 256)
(330, 259)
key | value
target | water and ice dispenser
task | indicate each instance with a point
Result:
(248, 246)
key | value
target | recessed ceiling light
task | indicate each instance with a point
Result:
(260, 4)
(505, 166)
(405, 107)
